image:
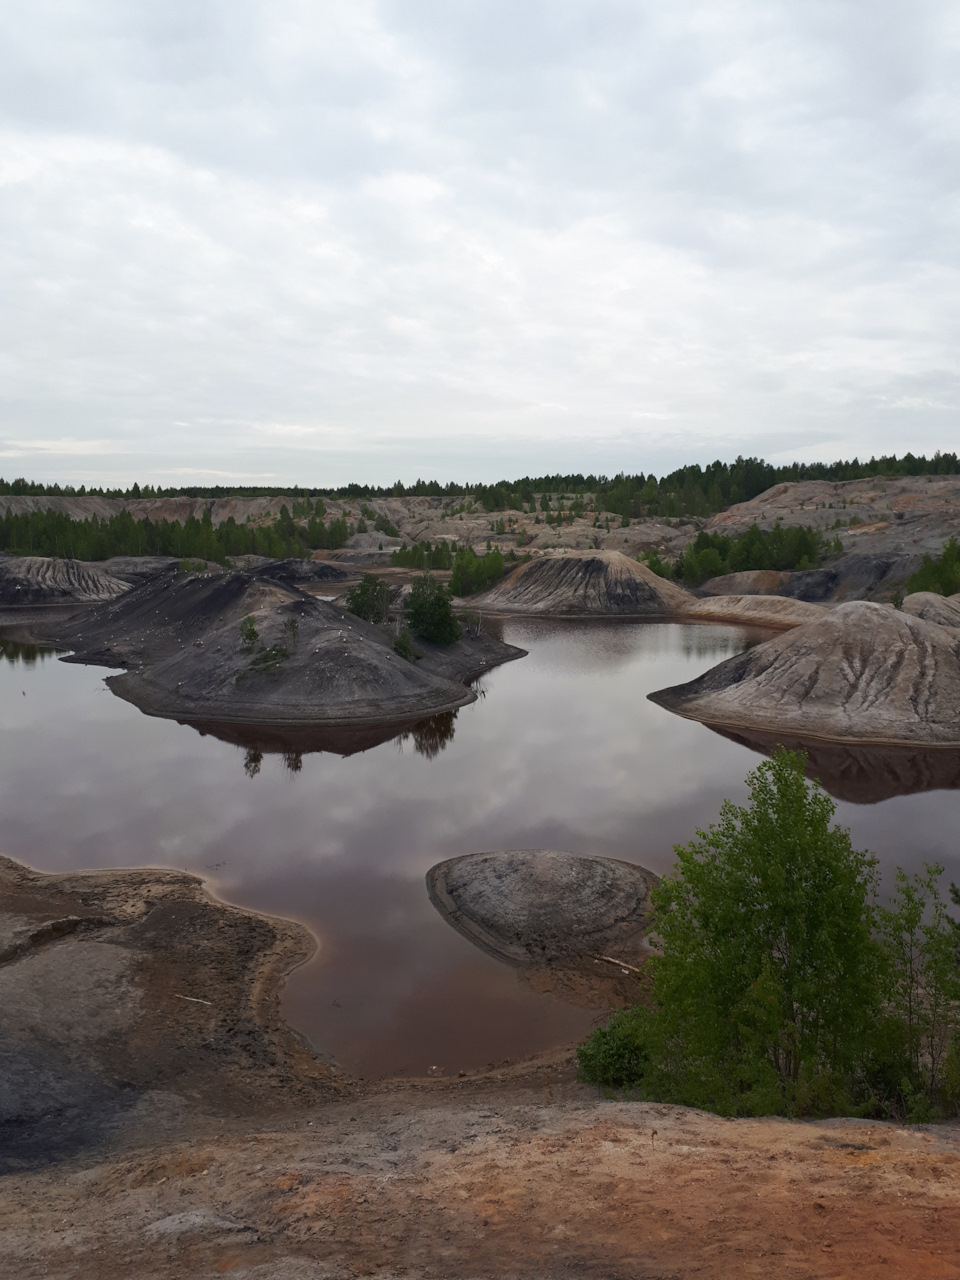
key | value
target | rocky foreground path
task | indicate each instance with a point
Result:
(529, 1175)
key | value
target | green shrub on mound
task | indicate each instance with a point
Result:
(780, 986)
(429, 612)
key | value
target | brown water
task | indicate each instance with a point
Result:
(562, 751)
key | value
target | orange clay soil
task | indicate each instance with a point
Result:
(523, 1173)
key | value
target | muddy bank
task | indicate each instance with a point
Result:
(132, 998)
(574, 926)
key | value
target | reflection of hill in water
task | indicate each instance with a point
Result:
(863, 774)
(29, 654)
(428, 736)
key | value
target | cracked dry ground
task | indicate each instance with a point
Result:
(523, 1176)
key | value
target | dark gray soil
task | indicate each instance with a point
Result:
(129, 991)
(312, 663)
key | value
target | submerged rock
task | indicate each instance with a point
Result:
(862, 673)
(584, 583)
(533, 906)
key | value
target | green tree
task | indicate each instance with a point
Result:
(370, 599)
(249, 635)
(923, 995)
(769, 980)
(941, 575)
(430, 612)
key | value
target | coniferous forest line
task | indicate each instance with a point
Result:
(688, 491)
(691, 491)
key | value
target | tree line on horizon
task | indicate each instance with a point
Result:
(688, 491)
(51, 533)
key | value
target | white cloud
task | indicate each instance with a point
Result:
(336, 241)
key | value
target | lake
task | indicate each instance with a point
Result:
(562, 750)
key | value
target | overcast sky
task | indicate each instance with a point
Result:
(318, 242)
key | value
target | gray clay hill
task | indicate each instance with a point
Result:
(31, 582)
(585, 583)
(944, 610)
(531, 906)
(774, 611)
(862, 673)
(179, 638)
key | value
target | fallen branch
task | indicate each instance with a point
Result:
(622, 963)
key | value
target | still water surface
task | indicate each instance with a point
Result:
(562, 751)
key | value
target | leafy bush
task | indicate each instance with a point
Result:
(780, 986)
(369, 599)
(472, 573)
(430, 612)
(249, 635)
(404, 646)
(269, 659)
(383, 525)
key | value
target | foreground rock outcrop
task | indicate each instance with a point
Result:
(127, 993)
(585, 583)
(862, 673)
(306, 662)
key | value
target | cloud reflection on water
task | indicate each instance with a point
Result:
(564, 752)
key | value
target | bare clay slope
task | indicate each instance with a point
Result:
(312, 663)
(862, 673)
(765, 610)
(28, 582)
(601, 583)
(933, 608)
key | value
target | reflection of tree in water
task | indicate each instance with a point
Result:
(29, 654)
(253, 761)
(431, 735)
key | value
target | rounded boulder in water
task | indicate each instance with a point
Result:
(528, 906)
